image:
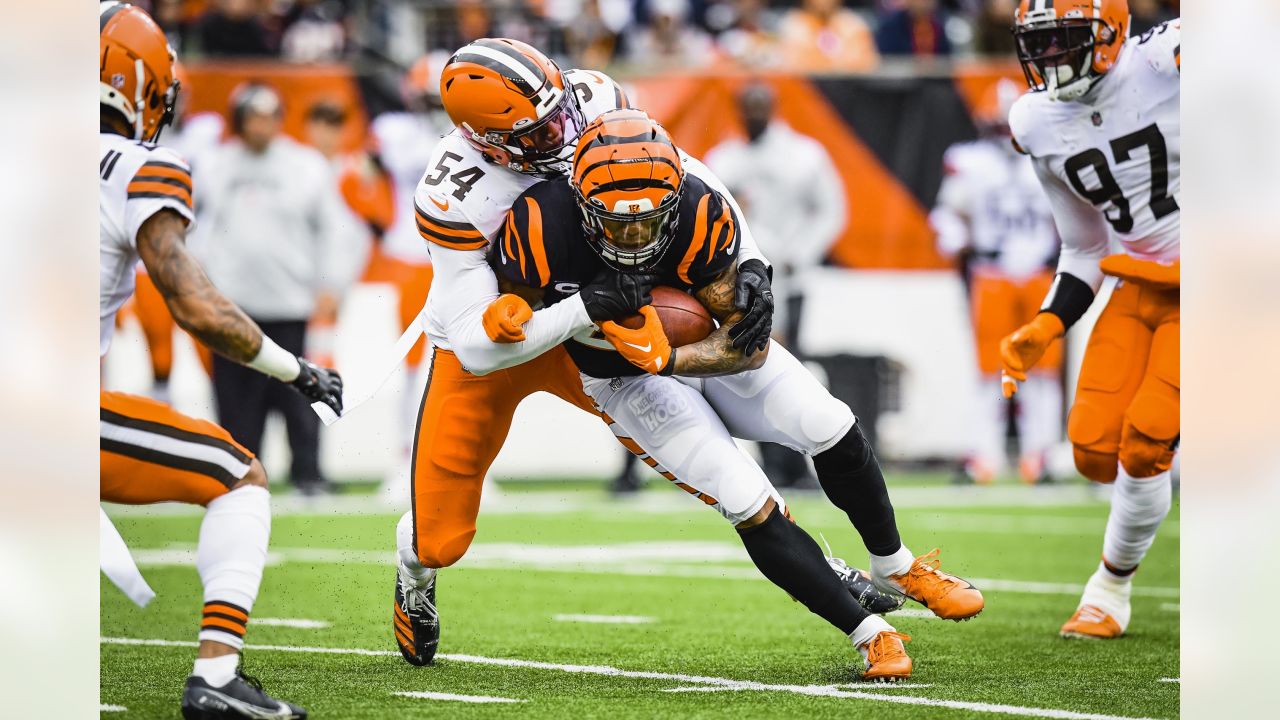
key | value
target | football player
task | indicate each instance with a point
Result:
(517, 117)
(150, 452)
(992, 212)
(631, 202)
(1102, 129)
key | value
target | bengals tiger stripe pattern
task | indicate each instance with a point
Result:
(162, 180)
(455, 235)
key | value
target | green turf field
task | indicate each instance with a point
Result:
(704, 635)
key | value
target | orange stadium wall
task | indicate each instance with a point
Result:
(885, 133)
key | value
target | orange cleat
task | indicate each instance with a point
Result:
(1092, 623)
(949, 597)
(887, 659)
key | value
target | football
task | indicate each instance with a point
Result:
(684, 319)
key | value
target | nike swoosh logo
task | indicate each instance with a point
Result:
(642, 348)
(444, 207)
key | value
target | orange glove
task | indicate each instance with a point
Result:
(505, 317)
(1024, 348)
(1144, 272)
(646, 347)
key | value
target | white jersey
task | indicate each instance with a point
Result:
(135, 181)
(459, 205)
(992, 202)
(405, 145)
(1109, 162)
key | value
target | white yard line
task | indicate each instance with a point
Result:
(605, 670)
(1170, 680)
(604, 619)
(457, 698)
(865, 686)
(112, 708)
(913, 613)
(298, 623)
(716, 560)
(1171, 607)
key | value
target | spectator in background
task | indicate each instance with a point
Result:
(313, 30)
(1147, 14)
(916, 28)
(235, 27)
(169, 16)
(671, 40)
(752, 39)
(794, 200)
(589, 41)
(325, 123)
(276, 238)
(823, 35)
(991, 34)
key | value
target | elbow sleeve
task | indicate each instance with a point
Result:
(1069, 298)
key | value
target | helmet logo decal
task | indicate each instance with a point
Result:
(1096, 118)
(117, 80)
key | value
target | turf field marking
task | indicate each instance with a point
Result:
(458, 698)
(298, 623)
(816, 690)
(604, 619)
(805, 689)
(1170, 680)
(913, 613)
(112, 708)
(1171, 607)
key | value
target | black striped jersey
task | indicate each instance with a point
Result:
(135, 181)
(542, 244)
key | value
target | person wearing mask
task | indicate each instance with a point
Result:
(276, 238)
(794, 198)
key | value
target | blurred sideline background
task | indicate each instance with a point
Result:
(885, 88)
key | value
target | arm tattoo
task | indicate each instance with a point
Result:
(715, 354)
(195, 303)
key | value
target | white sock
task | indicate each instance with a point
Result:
(866, 630)
(410, 569)
(217, 671)
(884, 566)
(230, 557)
(1110, 593)
(1138, 506)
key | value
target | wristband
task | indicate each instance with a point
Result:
(1069, 297)
(275, 361)
(670, 369)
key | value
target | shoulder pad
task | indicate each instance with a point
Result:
(1023, 122)
(597, 93)
(1161, 47)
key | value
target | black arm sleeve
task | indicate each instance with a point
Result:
(1069, 298)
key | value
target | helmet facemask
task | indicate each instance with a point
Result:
(543, 148)
(633, 235)
(1057, 56)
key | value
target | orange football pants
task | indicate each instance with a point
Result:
(151, 453)
(413, 283)
(1000, 306)
(1128, 396)
(462, 423)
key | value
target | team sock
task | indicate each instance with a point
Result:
(864, 633)
(217, 671)
(851, 478)
(230, 558)
(1138, 506)
(884, 567)
(791, 559)
(414, 572)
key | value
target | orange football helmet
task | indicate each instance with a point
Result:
(512, 103)
(627, 179)
(1066, 45)
(136, 69)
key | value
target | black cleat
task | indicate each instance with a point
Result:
(870, 597)
(243, 697)
(415, 621)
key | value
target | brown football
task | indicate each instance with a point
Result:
(684, 319)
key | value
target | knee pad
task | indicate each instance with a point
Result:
(1151, 427)
(1098, 467)
(816, 426)
(1143, 456)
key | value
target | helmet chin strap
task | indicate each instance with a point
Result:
(1071, 88)
(137, 99)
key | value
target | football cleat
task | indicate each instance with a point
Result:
(870, 597)
(243, 697)
(415, 620)
(947, 596)
(887, 659)
(1091, 623)
(1103, 613)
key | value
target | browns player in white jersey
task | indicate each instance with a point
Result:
(517, 118)
(150, 452)
(992, 212)
(1103, 132)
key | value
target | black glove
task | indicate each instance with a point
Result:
(612, 294)
(319, 384)
(753, 293)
